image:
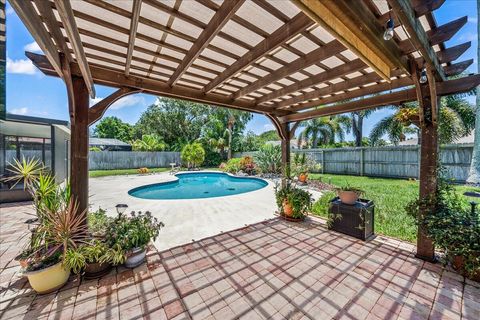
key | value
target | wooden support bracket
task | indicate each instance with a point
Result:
(97, 111)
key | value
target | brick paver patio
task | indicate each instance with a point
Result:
(271, 270)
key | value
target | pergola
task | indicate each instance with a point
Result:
(289, 60)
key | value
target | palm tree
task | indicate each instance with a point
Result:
(457, 119)
(474, 174)
(357, 118)
(324, 130)
(149, 142)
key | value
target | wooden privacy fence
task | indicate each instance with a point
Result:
(391, 161)
(109, 160)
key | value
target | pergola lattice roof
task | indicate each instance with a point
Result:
(259, 55)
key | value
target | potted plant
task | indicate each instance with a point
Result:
(132, 233)
(348, 195)
(293, 203)
(94, 258)
(98, 222)
(453, 227)
(59, 231)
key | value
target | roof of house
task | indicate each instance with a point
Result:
(106, 142)
(463, 140)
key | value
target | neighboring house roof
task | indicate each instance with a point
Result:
(106, 142)
(293, 143)
(463, 140)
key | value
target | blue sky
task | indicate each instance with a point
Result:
(31, 93)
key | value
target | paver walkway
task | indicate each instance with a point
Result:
(270, 270)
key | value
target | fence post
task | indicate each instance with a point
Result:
(362, 150)
(323, 161)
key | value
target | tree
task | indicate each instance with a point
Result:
(456, 120)
(149, 142)
(178, 122)
(324, 130)
(113, 127)
(474, 174)
(193, 154)
(357, 118)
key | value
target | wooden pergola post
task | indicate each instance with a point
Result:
(285, 143)
(79, 143)
(428, 114)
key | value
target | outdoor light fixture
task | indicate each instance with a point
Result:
(121, 208)
(388, 34)
(423, 76)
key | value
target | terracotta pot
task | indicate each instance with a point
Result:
(136, 258)
(96, 270)
(348, 197)
(287, 208)
(302, 177)
(458, 264)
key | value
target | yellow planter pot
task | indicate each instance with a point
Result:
(49, 279)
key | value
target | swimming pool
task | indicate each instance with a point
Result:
(199, 185)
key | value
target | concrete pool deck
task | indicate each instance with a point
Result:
(187, 219)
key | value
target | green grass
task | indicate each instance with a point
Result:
(120, 172)
(390, 197)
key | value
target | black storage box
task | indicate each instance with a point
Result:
(354, 220)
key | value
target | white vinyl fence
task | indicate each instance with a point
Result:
(109, 160)
(391, 161)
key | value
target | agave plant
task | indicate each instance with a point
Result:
(25, 170)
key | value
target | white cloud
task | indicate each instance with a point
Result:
(268, 127)
(9, 10)
(472, 20)
(20, 111)
(126, 101)
(33, 47)
(21, 66)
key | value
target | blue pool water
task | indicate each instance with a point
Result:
(198, 185)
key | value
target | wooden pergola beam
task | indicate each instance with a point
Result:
(355, 25)
(288, 30)
(65, 12)
(330, 74)
(453, 53)
(309, 59)
(436, 36)
(118, 79)
(457, 68)
(403, 9)
(136, 8)
(421, 7)
(221, 17)
(30, 18)
(96, 111)
(442, 89)
(373, 89)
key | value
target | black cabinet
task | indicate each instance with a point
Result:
(354, 220)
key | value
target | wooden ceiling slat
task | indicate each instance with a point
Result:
(443, 88)
(221, 17)
(384, 86)
(299, 23)
(136, 7)
(333, 73)
(65, 12)
(301, 63)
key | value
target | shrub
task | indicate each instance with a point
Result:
(233, 165)
(299, 199)
(142, 170)
(193, 154)
(247, 165)
(269, 159)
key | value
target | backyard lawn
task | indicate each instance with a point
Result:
(118, 172)
(390, 197)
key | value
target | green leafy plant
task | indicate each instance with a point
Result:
(233, 165)
(299, 199)
(269, 159)
(247, 165)
(452, 226)
(193, 155)
(128, 232)
(348, 187)
(94, 251)
(98, 222)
